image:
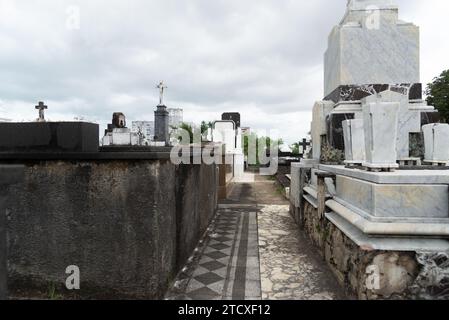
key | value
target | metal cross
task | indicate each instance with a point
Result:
(41, 107)
(161, 88)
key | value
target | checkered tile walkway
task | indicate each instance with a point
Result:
(228, 266)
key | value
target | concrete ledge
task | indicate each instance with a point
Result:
(390, 219)
(311, 191)
(397, 177)
(85, 156)
(398, 229)
(385, 243)
(313, 202)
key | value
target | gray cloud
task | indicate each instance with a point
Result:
(260, 57)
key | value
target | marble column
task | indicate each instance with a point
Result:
(436, 142)
(380, 119)
(354, 137)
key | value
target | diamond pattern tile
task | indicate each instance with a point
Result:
(209, 278)
(216, 255)
(213, 265)
(220, 246)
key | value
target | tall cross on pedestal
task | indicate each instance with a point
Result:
(41, 107)
(161, 88)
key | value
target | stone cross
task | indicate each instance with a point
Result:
(41, 107)
(161, 88)
(304, 145)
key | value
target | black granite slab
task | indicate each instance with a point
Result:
(358, 92)
(232, 116)
(430, 117)
(49, 137)
(335, 129)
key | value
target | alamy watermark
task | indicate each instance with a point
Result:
(257, 150)
(373, 278)
(73, 281)
(73, 18)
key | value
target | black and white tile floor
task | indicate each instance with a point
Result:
(228, 267)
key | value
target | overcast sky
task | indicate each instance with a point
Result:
(262, 58)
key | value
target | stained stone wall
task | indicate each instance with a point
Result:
(403, 274)
(127, 224)
(351, 263)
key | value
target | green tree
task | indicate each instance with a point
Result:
(295, 148)
(187, 127)
(438, 95)
(205, 126)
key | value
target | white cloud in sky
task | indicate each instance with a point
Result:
(262, 58)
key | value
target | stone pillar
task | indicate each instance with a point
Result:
(321, 110)
(380, 122)
(436, 143)
(161, 125)
(8, 175)
(354, 137)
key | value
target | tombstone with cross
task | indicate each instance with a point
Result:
(41, 107)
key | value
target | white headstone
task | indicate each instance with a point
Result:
(380, 121)
(321, 110)
(354, 137)
(224, 132)
(436, 142)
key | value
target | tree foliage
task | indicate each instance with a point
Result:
(438, 95)
(295, 148)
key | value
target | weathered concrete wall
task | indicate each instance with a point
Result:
(3, 256)
(127, 225)
(196, 204)
(355, 267)
(9, 175)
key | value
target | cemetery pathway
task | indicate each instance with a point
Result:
(254, 251)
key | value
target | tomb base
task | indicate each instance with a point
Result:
(382, 234)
